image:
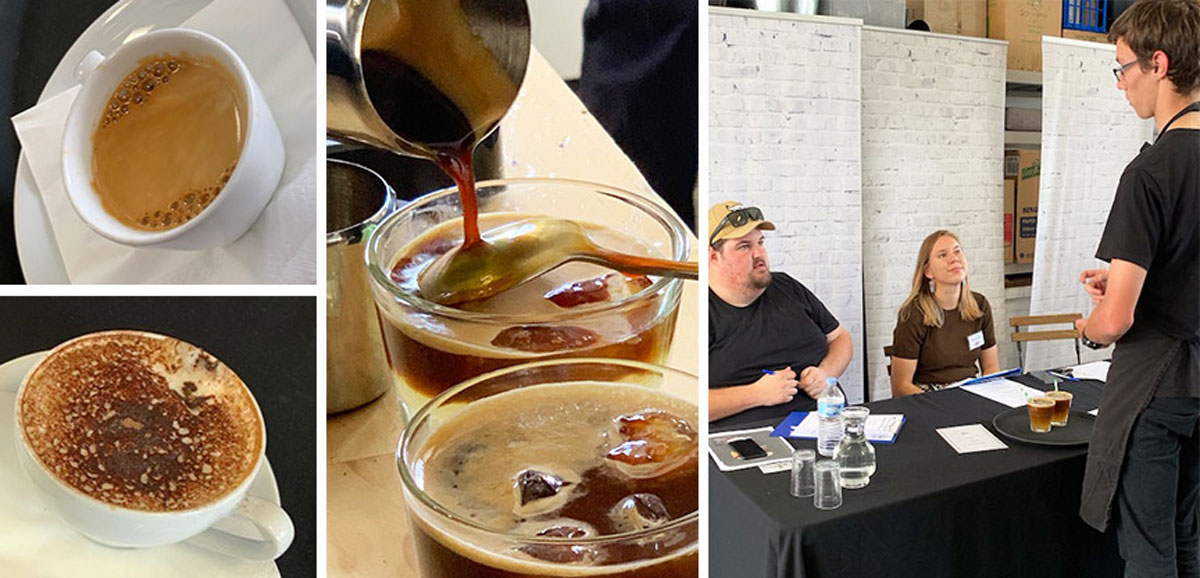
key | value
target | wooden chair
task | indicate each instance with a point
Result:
(1019, 337)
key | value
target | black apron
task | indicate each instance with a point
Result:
(1142, 360)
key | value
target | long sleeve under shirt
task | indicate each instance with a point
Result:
(785, 327)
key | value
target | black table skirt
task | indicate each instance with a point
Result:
(270, 342)
(928, 511)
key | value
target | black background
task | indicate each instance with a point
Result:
(34, 36)
(270, 342)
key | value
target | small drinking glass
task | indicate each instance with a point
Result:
(1062, 407)
(828, 494)
(1041, 409)
(802, 473)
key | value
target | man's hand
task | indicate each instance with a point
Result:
(812, 379)
(779, 387)
(1080, 325)
(1095, 282)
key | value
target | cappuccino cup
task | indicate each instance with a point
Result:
(170, 143)
(140, 440)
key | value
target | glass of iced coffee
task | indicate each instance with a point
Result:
(1041, 410)
(1062, 407)
(577, 467)
(576, 310)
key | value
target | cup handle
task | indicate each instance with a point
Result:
(274, 526)
(91, 61)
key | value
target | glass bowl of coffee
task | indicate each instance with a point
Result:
(576, 310)
(579, 467)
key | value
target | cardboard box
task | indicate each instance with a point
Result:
(961, 17)
(1026, 212)
(1010, 199)
(1023, 23)
(1100, 37)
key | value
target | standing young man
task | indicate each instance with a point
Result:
(1144, 457)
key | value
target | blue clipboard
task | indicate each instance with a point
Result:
(793, 419)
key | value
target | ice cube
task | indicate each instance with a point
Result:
(566, 530)
(544, 338)
(650, 443)
(538, 492)
(639, 512)
(611, 287)
(562, 553)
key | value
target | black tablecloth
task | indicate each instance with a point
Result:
(927, 512)
(269, 342)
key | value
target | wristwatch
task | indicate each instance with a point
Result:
(1083, 338)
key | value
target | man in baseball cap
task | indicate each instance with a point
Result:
(769, 337)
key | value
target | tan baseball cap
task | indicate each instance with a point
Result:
(723, 219)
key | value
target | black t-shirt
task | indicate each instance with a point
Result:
(1155, 224)
(785, 327)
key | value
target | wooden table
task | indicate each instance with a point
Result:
(548, 133)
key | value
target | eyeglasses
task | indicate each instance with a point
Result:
(735, 219)
(1119, 71)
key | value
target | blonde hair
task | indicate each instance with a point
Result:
(921, 298)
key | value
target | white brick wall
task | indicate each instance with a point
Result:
(784, 135)
(1089, 134)
(932, 149)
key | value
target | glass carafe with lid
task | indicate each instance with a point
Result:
(855, 455)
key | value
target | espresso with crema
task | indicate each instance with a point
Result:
(141, 421)
(168, 141)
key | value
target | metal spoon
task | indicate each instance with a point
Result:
(516, 252)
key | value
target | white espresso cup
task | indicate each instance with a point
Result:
(244, 196)
(126, 527)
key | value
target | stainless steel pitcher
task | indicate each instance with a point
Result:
(357, 371)
(474, 51)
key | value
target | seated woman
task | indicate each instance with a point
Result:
(944, 328)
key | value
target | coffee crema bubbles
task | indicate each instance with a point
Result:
(141, 421)
(169, 140)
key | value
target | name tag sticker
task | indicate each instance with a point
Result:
(975, 341)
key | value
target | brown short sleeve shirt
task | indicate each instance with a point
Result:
(948, 353)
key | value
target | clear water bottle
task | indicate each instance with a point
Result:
(829, 409)
(855, 455)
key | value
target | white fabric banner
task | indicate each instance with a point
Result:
(1089, 134)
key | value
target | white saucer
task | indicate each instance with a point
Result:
(35, 542)
(41, 261)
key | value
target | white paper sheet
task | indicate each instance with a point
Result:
(1004, 391)
(879, 427)
(1094, 370)
(966, 439)
(281, 245)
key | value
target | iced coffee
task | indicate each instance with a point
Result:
(1062, 407)
(575, 468)
(576, 310)
(1041, 410)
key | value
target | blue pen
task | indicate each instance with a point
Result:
(768, 372)
(1063, 376)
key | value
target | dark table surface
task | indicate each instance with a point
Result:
(269, 342)
(928, 510)
(34, 36)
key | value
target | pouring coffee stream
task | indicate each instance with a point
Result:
(433, 79)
